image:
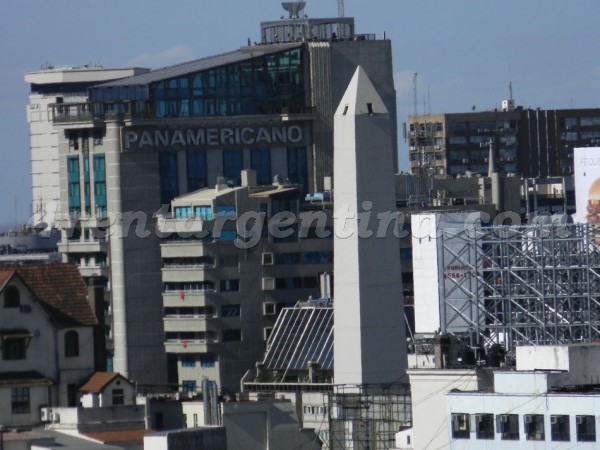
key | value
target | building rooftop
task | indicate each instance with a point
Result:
(30, 378)
(115, 437)
(98, 381)
(198, 65)
(60, 290)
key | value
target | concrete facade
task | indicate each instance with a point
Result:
(221, 299)
(369, 344)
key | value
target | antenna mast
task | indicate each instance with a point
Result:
(340, 8)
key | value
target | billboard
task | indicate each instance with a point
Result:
(587, 184)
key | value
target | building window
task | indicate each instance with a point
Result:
(188, 361)
(460, 426)
(188, 385)
(230, 310)
(207, 360)
(484, 426)
(169, 182)
(308, 410)
(196, 170)
(226, 211)
(203, 212)
(232, 335)
(560, 430)
(71, 344)
(12, 297)
(13, 348)
(100, 185)
(182, 212)
(86, 183)
(233, 164)
(260, 160)
(534, 427)
(20, 401)
(118, 397)
(298, 167)
(269, 309)
(229, 285)
(74, 186)
(586, 428)
(508, 427)
(228, 235)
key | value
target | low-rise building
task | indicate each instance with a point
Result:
(46, 331)
(551, 400)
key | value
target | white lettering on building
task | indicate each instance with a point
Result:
(211, 137)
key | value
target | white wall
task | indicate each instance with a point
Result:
(38, 397)
(568, 404)
(429, 389)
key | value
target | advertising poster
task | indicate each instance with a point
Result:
(587, 185)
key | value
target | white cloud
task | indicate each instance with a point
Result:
(173, 55)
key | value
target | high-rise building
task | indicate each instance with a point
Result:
(55, 86)
(137, 143)
(526, 142)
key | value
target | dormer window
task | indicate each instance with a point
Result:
(12, 297)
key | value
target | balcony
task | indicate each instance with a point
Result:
(181, 274)
(175, 299)
(186, 249)
(168, 224)
(81, 246)
(94, 271)
(191, 323)
(142, 109)
(190, 345)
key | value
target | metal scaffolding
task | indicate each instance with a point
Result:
(525, 285)
(368, 417)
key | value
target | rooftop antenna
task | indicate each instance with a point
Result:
(294, 9)
(340, 8)
(510, 90)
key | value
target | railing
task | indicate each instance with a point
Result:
(124, 110)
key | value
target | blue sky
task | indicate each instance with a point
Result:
(465, 52)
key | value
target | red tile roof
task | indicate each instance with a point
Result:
(98, 381)
(5, 275)
(118, 436)
(60, 289)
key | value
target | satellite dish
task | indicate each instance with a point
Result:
(294, 8)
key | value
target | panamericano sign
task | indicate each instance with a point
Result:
(140, 138)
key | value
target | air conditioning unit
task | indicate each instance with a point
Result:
(54, 417)
(268, 284)
(528, 418)
(267, 259)
(504, 418)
